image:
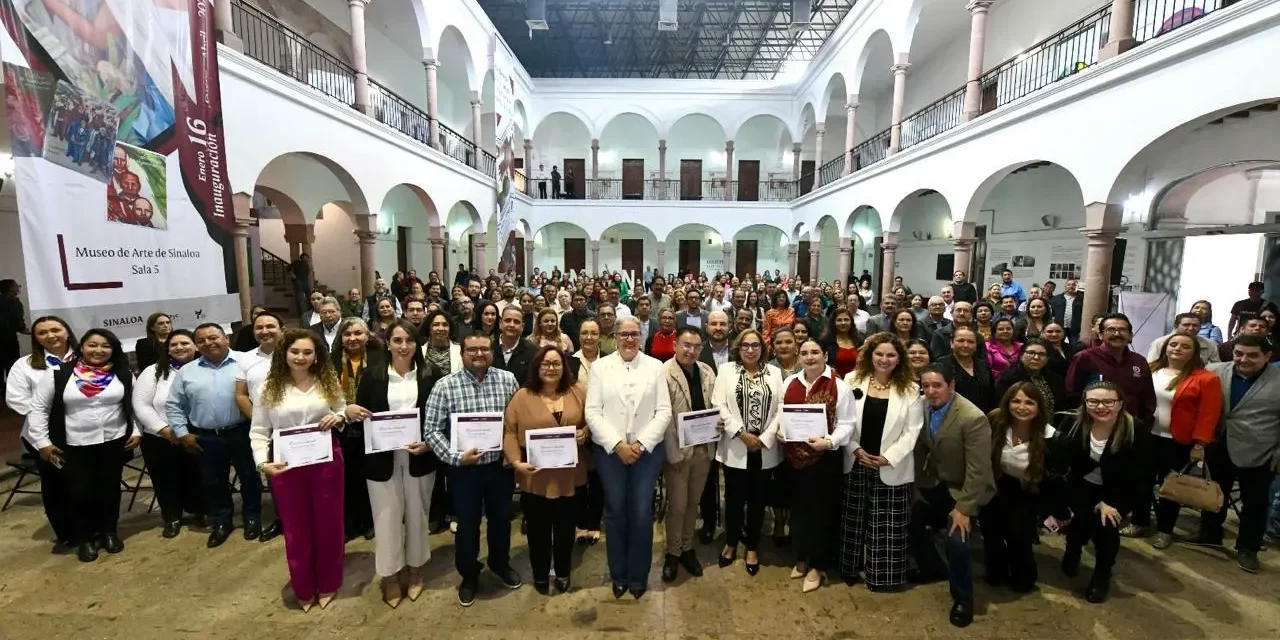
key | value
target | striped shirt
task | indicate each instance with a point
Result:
(460, 392)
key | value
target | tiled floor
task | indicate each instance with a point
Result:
(177, 588)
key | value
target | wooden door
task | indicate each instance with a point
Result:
(633, 255)
(575, 254)
(745, 258)
(806, 176)
(690, 257)
(633, 178)
(690, 180)
(402, 248)
(802, 260)
(749, 181)
(575, 188)
(471, 257)
(518, 243)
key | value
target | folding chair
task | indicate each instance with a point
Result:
(26, 466)
(133, 465)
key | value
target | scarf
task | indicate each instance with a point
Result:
(92, 380)
(352, 369)
(54, 361)
(823, 391)
(175, 365)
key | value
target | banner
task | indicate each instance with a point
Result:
(123, 204)
(504, 98)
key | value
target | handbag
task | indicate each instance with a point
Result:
(1191, 491)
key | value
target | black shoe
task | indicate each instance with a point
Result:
(1098, 591)
(524, 527)
(252, 530)
(725, 561)
(961, 614)
(86, 552)
(542, 587)
(172, 529)
(670, 568)
(218, 535)
(112, 543)
(1022, 588)
(916, 576)
(63, 546)
(752, 569)
(563, 584)
(467, 592)
(851, 580)
(638, 592)
(894, 588)
(510, 579)
(1071, 563)
(1205, 541)
(619, 590)
(369, 534)
(705, 536)
(272, 532)
(689, 560)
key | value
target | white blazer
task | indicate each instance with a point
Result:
(845, 417)
(455, 356)
(607, 415)
(731, 450)
(902, 423)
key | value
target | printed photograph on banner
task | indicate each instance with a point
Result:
(27, 97)
(137, 192)
(80, 132)
(109, 50)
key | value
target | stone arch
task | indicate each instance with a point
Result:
(977, 202)
(772, 245)
(456, 79)
(767, 138)
(863, 228)
(697, 135)
(559, 135)
(629, 133)
(710, 247)
(922, 202)
(1180, 203)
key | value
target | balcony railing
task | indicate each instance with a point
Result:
(1154, 18)
(661, 189)
(274, 44)
(604, 189)
(488, 163)
(933, 119)
(871, 150)
(712, 190)
(396, 112)
(454, 145)
(779, 190)
(522, 182)
(831, 171)
(1059, 56)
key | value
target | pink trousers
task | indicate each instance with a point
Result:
(309, 503)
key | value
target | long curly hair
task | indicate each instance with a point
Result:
(279, 378)
(902, 379)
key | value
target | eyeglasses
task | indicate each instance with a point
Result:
(476, 350)
(1035, 354)
(552, 366)
(1115, 331)
(629, 335)
(1095, 403)
(750, 346)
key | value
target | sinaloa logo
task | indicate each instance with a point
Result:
(120, 322)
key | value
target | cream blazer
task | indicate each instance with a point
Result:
(902, 423)
(607, 414)
(732, 451)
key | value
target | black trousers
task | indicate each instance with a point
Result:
(590, 499)
(93, 477)
(542, 189)
(1086, 524)
(482, 491)
(1255, 483)
(175, 477)
(815, 508)
(1009, 525)
(709, 503)
(1166, 455)
(744, 490)
(357, 514)
(55, 494)
(550, 523)
(441, 503)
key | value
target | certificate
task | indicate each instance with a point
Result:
(302, 446)
(553, 448)
(480, 431)
(391, 430)
(804, 421)
(697, 427)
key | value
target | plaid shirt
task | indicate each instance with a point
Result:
(460, 392)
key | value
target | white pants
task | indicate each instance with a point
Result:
(400, 508)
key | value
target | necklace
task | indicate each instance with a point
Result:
(875, 384)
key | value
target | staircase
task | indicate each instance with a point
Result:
(278, 286)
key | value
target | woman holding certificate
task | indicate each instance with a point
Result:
(400, 480)
(880, 466)
(815, 498)
(350, 363)
(544, 430)
(302, 403)
(747, 393)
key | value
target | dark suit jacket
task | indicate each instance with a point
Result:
(681, 322)
(959, 457)
(1018, 373)
(940, 343)
(318, 328)
(1058, 306)
(372, 395)
(966, 292)
(518, 365)
(1122, 471)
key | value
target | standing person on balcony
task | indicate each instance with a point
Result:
(541, 177)
(568, 183)
(300, 271)
(555, 183)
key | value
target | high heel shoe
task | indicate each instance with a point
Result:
(325, 599)
(391, 591)
(725, 561)
(415, 584)
(752, 567)
(813, 581)
(306, 606)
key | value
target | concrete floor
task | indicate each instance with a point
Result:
(161, 588)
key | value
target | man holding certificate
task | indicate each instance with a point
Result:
(462, 423)
(690, 449)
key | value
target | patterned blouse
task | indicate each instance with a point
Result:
(753, 395)
(439, 357)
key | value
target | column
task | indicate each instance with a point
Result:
(595, 258)
(850, 117)
(978, 10)
(438, 260)
(890, 247)
(793, 253)
(899, 102)
(819, 130)
(962, 241)
(359, 58)
(728, 176)
(240, 239)
(299, 237)
(223, 27)
(662, 259)
(477, 243)
(795, 160)
(1121, 37)
(813, 263)
(366, 236)
(662, 159)
(528, 260)
(433, 106)
(846, 260)
(1102, 225)
(593, 187)
(727, 248)
(476, 133)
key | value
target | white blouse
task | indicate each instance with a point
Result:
(1014, 459)
(149, 396)
(21, 383)
(402, 391)
(1164, 402)
(297, 408)
(89, 421)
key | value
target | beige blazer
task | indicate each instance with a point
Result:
(681, 401)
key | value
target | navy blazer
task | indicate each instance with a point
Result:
(372, 395)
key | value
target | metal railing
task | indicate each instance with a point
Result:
(396, 112)
(1154, 18)
(1061, 55)
(661, 189)
(831, 171)
(275, 270)
(934, 119)
(871, 150)
(274, 44)
(488, 163)
(454, 145)
(522, 182)
(779, 190)
(603, 188)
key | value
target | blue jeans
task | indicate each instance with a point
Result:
(481, 490)
(221, 450)
(932, 510)
(628, 513)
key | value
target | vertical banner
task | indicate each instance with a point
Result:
(116, 117)
(504, 97)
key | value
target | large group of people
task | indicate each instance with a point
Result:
(941, 416)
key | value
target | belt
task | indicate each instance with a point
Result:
(216, 430)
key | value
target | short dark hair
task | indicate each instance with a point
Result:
(1116, 316)
(1254, 340)
(410, 301)
(1003, 298)
(1256, 285)
(689, 330)
(948, 376)
(209, 325)
(268, 314)
(1008, 271)
(1183, 316)
(533, 382)
(477, 334)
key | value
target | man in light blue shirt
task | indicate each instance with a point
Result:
(203, 414)
(1010, 288)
